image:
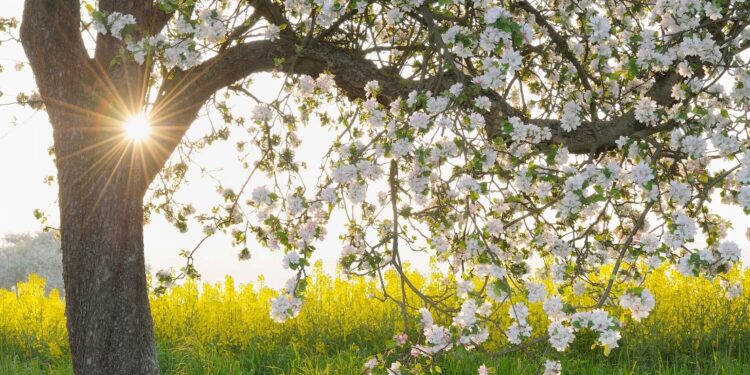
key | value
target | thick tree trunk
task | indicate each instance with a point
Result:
(102, 178)
(101, 207)
(109, 323)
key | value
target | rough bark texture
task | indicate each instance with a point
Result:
(109, 321)
(101, 189)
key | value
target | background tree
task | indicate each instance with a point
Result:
(588, 136)
(24, 254)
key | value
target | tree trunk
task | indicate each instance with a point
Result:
(106, 302)
(102, 177)
(109, 323)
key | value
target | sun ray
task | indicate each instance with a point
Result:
(102, 161)
(103, 189)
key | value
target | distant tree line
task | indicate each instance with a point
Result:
(24, 254)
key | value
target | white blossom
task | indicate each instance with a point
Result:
(560, 336)
(118, 22)
(262, 113)
(640, 305)
(290, 259)
(284, 307)
(552, 368)
(645, 110)
(272, 32)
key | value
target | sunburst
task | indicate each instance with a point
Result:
(137, 127)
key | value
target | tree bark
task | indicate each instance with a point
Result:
(108, 317)
(102, 181)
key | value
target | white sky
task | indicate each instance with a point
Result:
(25, 136)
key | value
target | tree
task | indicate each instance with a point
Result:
(589, 135)
(24, 254)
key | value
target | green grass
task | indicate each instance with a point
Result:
(208, 360)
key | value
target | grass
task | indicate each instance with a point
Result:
(210, 360)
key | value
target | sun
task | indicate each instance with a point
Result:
(137, 127)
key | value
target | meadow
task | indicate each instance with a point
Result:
(226, 329)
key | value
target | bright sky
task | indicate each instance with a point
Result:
(25, 136)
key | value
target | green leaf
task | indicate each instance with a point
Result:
(166, 7)
(632, 68)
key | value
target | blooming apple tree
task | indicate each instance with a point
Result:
(502, 139)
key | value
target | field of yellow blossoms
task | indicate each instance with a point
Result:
(225, 328)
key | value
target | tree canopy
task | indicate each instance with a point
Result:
(504, 140)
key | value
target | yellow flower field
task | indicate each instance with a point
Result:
(345, 315)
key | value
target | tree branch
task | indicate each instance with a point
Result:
(560, 42)
(51, 28)
(150, 20)
(183, 96)
(124, 85)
